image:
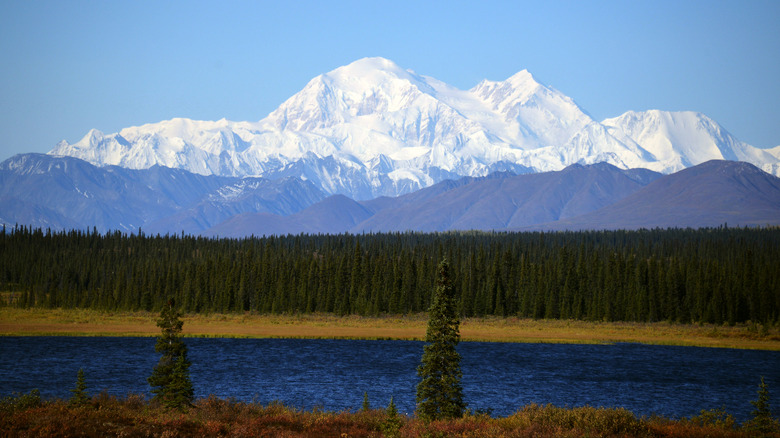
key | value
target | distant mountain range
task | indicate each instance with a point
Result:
(64, 193)
(372, 129)
(372, 147)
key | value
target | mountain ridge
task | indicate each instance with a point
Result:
(66, 193)
(710, 194)
(372, 128)
(590, 197)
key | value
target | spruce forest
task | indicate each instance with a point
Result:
(717, 275)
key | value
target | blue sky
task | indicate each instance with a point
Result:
(69, 66)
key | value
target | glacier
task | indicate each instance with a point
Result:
(373, 128)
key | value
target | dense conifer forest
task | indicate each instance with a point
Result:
(718, 275)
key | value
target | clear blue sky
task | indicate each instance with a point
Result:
(69, 66)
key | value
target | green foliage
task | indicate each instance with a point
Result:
(391, 410)
(20, 402)
(79, 397)
(762, 421)
(439, 392)
(391, 426)
(170, 379)
(717, 418)
(593, 421)
(366, 405)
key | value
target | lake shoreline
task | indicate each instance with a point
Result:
(82, 322)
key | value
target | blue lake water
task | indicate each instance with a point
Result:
(333, 374)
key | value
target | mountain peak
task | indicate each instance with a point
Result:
(367, 73)
(544, 116)
(680, 139)
(522, 82)
(371, 63)
(374, 128)
(92, 137)
(523, 78)
(371, 87)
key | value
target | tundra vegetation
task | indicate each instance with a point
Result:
(27, 415)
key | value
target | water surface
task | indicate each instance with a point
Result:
(333, 374)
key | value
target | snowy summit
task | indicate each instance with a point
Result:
(372, 128)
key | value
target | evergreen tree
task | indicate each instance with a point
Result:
(393, 422)
(366, 405)
(170, 379)
(79, 397)
(709, 275)
(391, 411)
(762, 421)
(439, 393)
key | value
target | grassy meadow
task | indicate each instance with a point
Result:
(82, 322)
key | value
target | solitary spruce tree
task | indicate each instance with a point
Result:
(170, 380)
(79, 397)
(762, 421)
(439, 393)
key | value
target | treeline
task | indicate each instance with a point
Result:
(718, 275)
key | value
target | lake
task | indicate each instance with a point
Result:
(333, 374)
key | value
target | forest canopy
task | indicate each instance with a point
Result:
(717, 275)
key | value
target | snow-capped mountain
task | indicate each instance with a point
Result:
(372, 128)
(678, 140)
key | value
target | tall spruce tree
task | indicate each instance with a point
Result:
(439, 393)
(762, 421)
(170, 380)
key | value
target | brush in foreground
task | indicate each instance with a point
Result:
(27, 415)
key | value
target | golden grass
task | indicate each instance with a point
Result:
(80, 322)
